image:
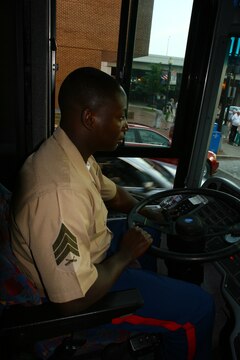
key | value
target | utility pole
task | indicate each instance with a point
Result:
(223, 117)
(169, 78)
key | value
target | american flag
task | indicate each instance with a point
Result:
(164, 76)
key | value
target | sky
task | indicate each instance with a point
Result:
(170, 24)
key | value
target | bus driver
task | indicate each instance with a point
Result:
(59, 231)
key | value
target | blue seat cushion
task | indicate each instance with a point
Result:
(15, 288)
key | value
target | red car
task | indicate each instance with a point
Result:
(143, 135)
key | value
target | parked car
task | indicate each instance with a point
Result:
(212, 164)
(143, 135)
(137, 175)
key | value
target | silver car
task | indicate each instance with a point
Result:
(137, 175)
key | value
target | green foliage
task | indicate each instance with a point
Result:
(153, 80)
(149, 86)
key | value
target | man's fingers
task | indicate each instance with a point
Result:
(146, 235)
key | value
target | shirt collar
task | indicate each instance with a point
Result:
(71, 151)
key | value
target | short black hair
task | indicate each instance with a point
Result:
(87, 87)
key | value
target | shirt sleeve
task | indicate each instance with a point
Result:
(107, 187)
(61, 242)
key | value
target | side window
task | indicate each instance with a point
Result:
(157, 65)
(154, 72)
(150, 137)
(130, 136)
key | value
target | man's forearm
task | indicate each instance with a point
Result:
(123, 201)
(108, 272)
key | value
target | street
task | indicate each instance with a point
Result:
(229, 169)
(229, 162)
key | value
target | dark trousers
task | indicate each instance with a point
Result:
(179, 310)
(232, 134)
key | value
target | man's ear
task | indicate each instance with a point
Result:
(88, 119)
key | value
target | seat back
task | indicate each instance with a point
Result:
(15, 288)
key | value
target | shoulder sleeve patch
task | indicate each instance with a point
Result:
(65, 245)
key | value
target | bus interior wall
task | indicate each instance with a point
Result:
(24, 81)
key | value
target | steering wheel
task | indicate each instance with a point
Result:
(202, 216)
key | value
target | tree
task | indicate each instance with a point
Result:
(149, 86)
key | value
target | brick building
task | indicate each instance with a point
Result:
(87, 34)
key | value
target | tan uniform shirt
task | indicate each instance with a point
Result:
(59, 219)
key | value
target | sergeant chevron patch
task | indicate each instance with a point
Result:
(65, 244)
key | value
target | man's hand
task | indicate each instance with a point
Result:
(160, 215)
(135, 242)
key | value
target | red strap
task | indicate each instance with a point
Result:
(170, 325)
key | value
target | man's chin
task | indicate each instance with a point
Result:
(110, 148)
(115, 146)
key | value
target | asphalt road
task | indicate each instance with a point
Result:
(230, 169)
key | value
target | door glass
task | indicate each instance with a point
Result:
(225, 139)
(88, 36)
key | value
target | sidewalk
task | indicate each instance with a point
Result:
(228, 151)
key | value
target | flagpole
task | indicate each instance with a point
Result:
(168, 41)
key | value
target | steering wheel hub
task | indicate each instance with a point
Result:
(190, 228)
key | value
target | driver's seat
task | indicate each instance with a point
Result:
(26, 322)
